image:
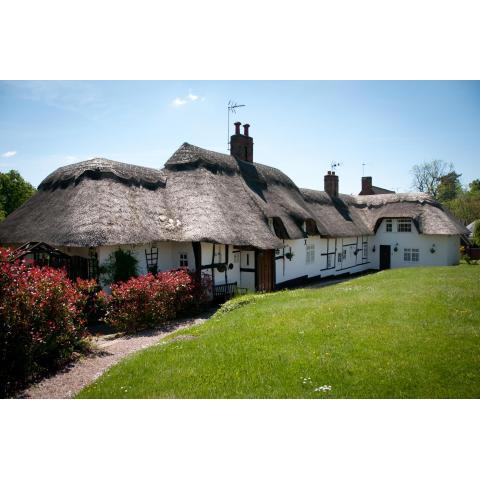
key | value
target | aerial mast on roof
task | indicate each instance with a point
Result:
(231, 107)
(363, 169)
(334, 165)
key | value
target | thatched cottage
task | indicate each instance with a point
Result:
(238, 220)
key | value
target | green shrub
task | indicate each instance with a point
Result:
(151, 300)
(41, 321)
(120, 266)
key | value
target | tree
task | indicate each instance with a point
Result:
(476, 233)
(427, 176)
(449, 187)
(465, 207)
(14, 192)
(475, 186)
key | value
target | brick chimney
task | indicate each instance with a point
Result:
(331, 184)
(366, 186)
(241, 146)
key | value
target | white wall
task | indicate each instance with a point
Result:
(446, 247)
(231, 275)
(297, 267)
(168, 254)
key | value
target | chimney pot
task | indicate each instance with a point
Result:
(241, 146)
(237, 128)
(331, 184)
(366, 186)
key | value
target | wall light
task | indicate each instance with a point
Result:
(433, 249)
(395, 248)
(373, 249)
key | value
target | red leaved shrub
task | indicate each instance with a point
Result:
(151, 300)
(41, 321)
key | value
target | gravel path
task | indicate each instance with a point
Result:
(108, 350)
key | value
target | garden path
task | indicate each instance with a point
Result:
(107, 351)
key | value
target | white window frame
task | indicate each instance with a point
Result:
(415, 255)
(329, 261)
(365, 251)
(389, 225)
(310, 254)
(183, 259)
(407, 254)
(402, 224)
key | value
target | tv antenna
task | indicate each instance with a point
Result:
(363, 169)
(334, 165)
(231, 107)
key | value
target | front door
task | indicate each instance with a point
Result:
(385, 256)
(265, 270)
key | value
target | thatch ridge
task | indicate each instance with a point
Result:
(98, 168)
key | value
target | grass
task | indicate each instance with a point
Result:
(406, 333)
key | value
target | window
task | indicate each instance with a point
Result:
(344, 255)
(404, 225)
(365, 251)
(310, 254)
(339, 258)
(236, 257)
(184, 260)
(411, 254)
(329, 261)
(248, 259)
(388, 224)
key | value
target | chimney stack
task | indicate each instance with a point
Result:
(331, 184)
(241, 146)
(366, 186)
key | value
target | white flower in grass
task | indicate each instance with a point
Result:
(323, 388)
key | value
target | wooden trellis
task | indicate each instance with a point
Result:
(151, 259)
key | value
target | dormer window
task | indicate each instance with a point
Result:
(404, 225)
(270, 224)
(388, 224)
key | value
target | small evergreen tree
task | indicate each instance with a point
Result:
(120, 266)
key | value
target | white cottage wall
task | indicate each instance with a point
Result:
(231, 275)
(168, 254)
(446, 247)
(247, 269)
(323, 259)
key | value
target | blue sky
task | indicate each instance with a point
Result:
(298, 127)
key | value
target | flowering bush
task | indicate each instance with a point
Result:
(95, 299)
(151, 300)
(41, 321)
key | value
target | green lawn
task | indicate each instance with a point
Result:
(408, 333)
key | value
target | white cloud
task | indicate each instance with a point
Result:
(9, 154)
(178, 102)
(190, 98)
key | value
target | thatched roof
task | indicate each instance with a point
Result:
(97, 202)
(380, 190)
(430, 217)
(200, 195)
